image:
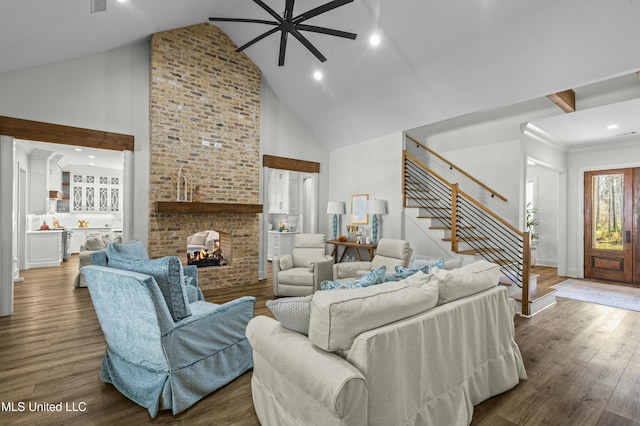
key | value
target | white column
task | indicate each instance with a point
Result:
(7, 161)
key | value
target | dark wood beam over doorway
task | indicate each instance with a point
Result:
(55, 133)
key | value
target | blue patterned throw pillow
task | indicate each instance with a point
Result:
(292, 312)
(377, 276)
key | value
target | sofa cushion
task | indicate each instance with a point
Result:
(94, 242)
(449, 264)
(292, 312)
(286, 262)
(169, 275)
(198, 239)
(133, 248)
(338, 317)
(466, 280)
(377, 276)
(296, 276)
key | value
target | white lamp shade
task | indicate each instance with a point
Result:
(377, 207)
(335, 207)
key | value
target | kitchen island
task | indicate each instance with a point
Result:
(44, 248)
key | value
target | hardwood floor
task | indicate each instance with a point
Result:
(583, 362)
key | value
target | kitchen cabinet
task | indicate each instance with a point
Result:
(282, 196)
(62, 205)
(279, 243)
(95, 190)
(44, 249)
(38, 193)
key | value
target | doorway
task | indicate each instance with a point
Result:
(609, 228)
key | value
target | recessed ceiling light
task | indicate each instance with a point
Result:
(374, 40)
(92, 164)
(92, 156)
(77, 149)
(612, 126)
(317, 75)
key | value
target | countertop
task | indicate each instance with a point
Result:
(38, 231)
(95, 228)
(283, 232)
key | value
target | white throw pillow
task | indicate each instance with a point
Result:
(466, 280)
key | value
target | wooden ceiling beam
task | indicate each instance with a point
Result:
(565, 100)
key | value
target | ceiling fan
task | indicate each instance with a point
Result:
(288, 24)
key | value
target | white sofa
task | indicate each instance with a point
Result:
(387, 355)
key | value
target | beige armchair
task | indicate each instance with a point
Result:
(390, 253)
(301, 272)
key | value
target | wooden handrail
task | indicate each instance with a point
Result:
(464, 194)
(453, 166)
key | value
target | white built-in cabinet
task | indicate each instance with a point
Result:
(279, 243)
(95, 190)
(38, 194)
(282, 196)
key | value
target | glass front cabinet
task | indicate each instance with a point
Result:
(95, 190)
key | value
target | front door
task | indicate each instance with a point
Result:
(608, 225)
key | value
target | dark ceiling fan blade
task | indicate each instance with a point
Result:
(328, 31)
(269, 10)
(283, 48)
(251, 21)
(302, 39)
(257, 39)
(288, 10)
(319, 10)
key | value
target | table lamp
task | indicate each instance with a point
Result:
(376, 207)
(335, 208)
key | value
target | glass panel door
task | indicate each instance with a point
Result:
(608, 223)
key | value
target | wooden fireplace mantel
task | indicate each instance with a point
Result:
(193, 207)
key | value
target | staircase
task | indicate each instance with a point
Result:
(470, 229)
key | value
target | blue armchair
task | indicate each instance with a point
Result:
(154, 359)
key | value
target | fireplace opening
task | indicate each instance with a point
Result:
(209, 248)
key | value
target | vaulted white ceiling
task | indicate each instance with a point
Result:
(437, 60)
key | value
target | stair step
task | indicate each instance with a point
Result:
(481, 250)
(536, 294)
(505, 262)
(504, 280)
(539, 299)
(423, 198)
(466, 239)
(446, 228)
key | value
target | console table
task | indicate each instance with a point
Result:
(353, 245)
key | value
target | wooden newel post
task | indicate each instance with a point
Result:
(526, 271)
(454, 217)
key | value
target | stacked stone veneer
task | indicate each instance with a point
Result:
(201, 89)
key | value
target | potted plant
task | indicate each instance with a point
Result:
(531, 223)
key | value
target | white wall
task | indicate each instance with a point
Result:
(107, 91)
(372, 167)
(282, 134)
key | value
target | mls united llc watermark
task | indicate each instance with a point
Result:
(32, 406)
